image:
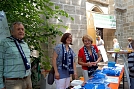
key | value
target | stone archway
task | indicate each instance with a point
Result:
(96, 9)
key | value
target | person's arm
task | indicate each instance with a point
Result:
(102, 42)
(99, 57)
(75, 70)
(1, 66)
(80, 59)
(54, 61)
(98, 60)
(55, 65)
(80, 62)
(98, 53)
(74, 66)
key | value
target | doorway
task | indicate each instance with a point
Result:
(99, 32)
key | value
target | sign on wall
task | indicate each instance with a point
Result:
(4, 29)
(104, 21)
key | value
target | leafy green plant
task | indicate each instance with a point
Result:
(36, 16)
(46, 64)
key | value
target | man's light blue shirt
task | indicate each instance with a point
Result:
(11, 62)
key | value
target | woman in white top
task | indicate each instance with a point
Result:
(115, 46)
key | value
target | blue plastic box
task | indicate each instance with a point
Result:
(111, 64)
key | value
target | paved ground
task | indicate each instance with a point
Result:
(44, 85)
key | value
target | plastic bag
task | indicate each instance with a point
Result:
(50, 78)
(111, 71)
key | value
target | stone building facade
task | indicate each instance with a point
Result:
(78, 10)
(124, 11)
(78, 27)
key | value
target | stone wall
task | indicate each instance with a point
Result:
(78, 27)
(123, 10)
(128, 21)
(125, 21)
(77, 9)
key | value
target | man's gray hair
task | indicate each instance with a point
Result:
(12, 26)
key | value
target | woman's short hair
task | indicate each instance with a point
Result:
(87, 37)
(115, 40)
(64, 38)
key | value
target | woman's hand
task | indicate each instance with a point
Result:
(57, 75)
(94, 63)
(89, 64)
(75, 75)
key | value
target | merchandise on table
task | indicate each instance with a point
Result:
(111, 71)
(111, 64)
(111, 79)
(76, 82)
(96, 86)
(97, 78)
(99, 75)
(96, 81)
(100, 80)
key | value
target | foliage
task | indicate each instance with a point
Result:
(35, 15)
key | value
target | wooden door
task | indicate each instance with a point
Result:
(90, 26)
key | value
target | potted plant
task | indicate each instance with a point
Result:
(46, 66)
